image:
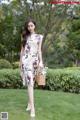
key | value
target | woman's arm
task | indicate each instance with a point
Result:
(21, 53)
(40, 52)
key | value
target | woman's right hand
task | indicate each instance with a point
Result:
(20, 64)
(41, 65)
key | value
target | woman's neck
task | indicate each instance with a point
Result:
(32, 33)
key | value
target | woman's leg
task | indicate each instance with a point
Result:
(30, 87)
(28, 104)
(31, 97)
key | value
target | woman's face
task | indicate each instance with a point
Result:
(31, 27)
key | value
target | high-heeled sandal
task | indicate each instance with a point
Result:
(28, 108)
(32, 114)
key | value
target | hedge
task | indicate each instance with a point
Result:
(10, 78)
(15, 65)
(5, 64)
(66, 79)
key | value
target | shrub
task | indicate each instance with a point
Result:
(10, 78)
(5, 64)
(15, 64)
(66, 79)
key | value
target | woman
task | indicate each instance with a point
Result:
(30, 57)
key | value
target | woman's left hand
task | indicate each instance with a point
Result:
(41, 64)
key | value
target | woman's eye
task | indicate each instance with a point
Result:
(30, 25)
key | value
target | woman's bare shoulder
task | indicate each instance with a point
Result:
(40, 35)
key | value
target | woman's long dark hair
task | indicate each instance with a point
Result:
(25, 32)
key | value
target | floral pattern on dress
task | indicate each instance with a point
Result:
(30, 59)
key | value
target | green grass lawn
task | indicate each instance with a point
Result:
(49, 105)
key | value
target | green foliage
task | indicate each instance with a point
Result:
(5, 64)
(67, 79)
(50, 20)
(2, 50)
(15, 64)
(74, 35)
(10, 78)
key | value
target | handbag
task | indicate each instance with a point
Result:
(40, 76)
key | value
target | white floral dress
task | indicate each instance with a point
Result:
(30, 58)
